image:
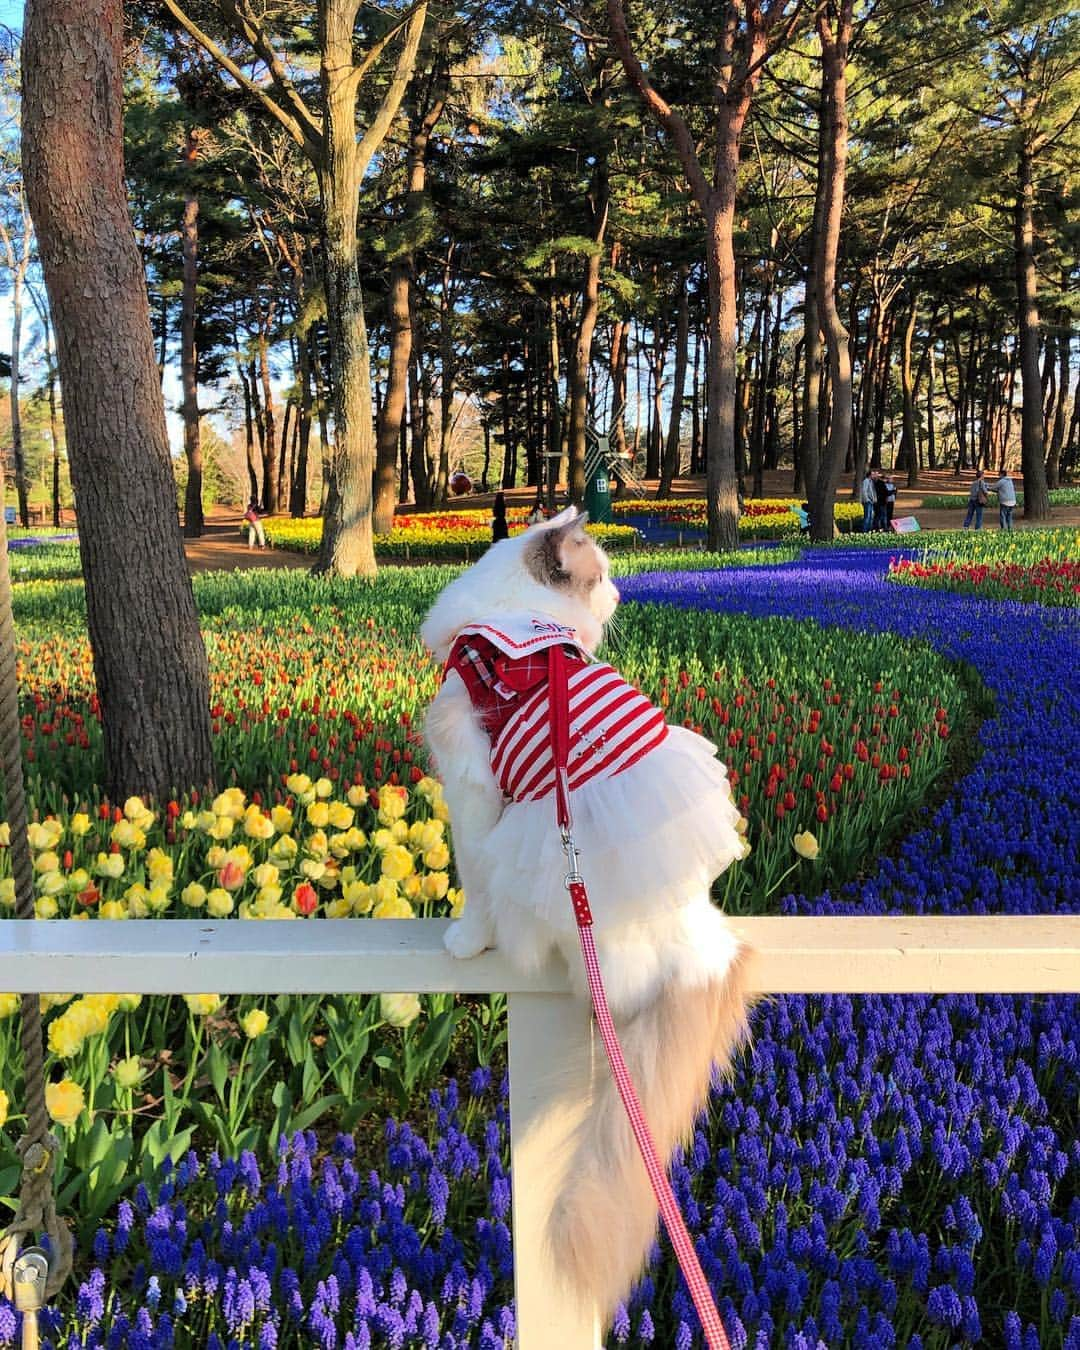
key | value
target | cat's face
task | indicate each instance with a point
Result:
(563, 557)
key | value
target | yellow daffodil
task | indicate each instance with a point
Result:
(64, 1101)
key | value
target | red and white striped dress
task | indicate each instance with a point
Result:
(653, 816)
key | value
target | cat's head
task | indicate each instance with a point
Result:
(552, 568)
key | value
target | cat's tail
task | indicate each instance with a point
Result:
(604, 1218)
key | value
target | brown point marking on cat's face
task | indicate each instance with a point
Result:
(565, 558)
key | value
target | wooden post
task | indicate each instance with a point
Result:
(546, 1032)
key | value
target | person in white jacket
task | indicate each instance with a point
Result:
(1005, 489)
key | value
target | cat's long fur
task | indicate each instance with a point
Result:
(674, 978)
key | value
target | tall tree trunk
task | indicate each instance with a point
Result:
(449, 376)
(834, 50)
(908, 457)
(672, 456)
(399, 306)
(931, 421)
(417, 445)
(16, 412)
(154, 695)
(268, 441)
(189, 245)
(298, 486)
(1057, 432)
(577, 375)
(1036, 495)
(814, 350)
(347, 544)
(54, 422)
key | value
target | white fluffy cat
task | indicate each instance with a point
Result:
(654, 824)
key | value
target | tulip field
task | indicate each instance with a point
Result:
(259, 1172)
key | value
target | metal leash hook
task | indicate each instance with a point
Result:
(29, 1279)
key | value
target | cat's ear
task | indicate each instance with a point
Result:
(546, 555)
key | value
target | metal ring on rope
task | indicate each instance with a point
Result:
(36, 1214)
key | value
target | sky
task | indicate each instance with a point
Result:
(11, 13)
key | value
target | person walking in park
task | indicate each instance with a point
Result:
(499, 528)
(868, 497)
(881, 502)
(977, 499)
(1005, 490)
(890, 500)
(255, 532)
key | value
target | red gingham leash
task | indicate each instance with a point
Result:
(575, 884)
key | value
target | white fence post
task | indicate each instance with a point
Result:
(547, 1033)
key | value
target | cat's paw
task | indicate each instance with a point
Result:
(464, 939)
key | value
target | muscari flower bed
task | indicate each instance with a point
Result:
(885, 1171)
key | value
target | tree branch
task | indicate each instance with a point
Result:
(664, 113)
(374, 136)
(358, 75)
(242, 18)
(307, 136)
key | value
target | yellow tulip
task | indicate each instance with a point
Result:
(3, 1108)
(254, 1023)
(203, 1005)
(112, 909)
(399, 1010)
(80, 824)
(318, 814)
(397, 862)
(282, 819)
(219, 903)
(193, 895)
(127, 1073)
(64, 1101)
(805, 845)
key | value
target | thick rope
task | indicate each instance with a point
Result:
(38, 1147)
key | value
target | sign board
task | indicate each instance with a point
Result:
(906, 525)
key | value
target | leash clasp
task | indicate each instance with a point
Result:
(573, 876)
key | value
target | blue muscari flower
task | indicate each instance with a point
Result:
(7, 1323)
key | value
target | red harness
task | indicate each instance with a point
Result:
(689, 1264)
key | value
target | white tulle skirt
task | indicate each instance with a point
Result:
(649, 838)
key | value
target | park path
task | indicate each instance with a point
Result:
(224, 545)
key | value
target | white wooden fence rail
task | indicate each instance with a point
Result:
(1000, 954)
